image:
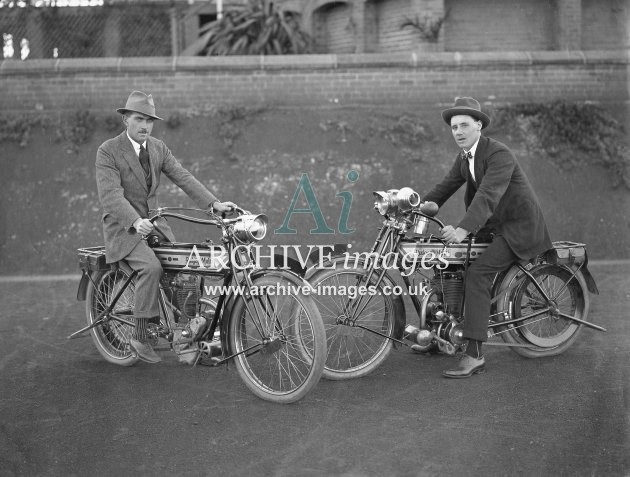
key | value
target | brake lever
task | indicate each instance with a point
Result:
(237, 209)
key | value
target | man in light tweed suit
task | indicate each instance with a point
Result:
(128, 170)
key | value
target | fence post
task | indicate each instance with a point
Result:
(35, 36)
(111, 35)
(174, 31)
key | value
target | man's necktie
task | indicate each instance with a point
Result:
(144, 162)
(468, 156)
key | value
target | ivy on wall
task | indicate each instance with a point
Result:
(74, 129)
(17, 128)
(571, 135)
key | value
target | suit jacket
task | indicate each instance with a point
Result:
(124, 195)
(500, 199)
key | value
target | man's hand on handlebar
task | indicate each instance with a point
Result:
(451, 234)
(223, 207)
(143, 226)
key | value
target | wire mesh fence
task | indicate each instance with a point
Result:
(138, 29)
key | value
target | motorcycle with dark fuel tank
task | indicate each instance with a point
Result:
(276, 340)
(538, 308)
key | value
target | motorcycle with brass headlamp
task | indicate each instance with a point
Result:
(276, 340)
(538, 308)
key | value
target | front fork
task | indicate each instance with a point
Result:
(356, 307)
(386, 241)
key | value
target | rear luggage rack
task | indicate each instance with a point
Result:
(92, 259)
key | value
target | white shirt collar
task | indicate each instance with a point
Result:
(136, 146)
(471, 161)
(473, 149)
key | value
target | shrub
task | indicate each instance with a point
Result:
(258, 28)
(572, 134)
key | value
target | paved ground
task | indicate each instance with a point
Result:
(64, 411)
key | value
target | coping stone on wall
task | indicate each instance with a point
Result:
(298, 62)
(259, 62)
(146, 63)
(472, 58)
(87, 65)
(216, 63)
(607, 56)
(568, 57)
(19, 67)
(376, 60)
(309, 62)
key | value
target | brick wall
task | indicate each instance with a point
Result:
(499, 25)
(611, 16)
(390, 37)
(315, 81)
(568, 25)
(340, 38)
(489, 25)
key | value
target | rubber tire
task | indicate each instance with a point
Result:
(107, 342)
(577, 291)
(311, 359)
(383, 346)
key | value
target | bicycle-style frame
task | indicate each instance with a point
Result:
(388, 241)
(286, 330)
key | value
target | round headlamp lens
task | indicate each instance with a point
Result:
(251, 228)
(382, 202)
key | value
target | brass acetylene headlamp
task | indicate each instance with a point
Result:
(251, 228)
(394, 200)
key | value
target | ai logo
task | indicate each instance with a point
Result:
(304, 186)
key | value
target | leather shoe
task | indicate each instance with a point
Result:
(144, 351)
(466, 367)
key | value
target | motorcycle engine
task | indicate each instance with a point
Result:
(444, 310)
(184, 291)
(449, 287)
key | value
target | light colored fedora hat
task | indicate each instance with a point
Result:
(140, 102)
(467, 106)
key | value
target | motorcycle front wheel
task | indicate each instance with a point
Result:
(111, 337)
(550, 330)
(354, 352)
(279, 340)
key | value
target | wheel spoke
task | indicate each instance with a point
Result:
(547, 324)
(290, 358)
(111, 337)
(353, 351)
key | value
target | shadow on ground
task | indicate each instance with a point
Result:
(67, 412)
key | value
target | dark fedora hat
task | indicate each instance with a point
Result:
(469, 107)
(140, 102)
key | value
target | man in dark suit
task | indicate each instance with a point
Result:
(498, 199)
(128, 171)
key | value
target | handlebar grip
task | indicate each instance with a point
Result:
(158, 229)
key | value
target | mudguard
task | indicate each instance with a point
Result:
(574, 256)
(574, 264)
(83, 285)
(296, 263)
(339, 251)
(590, 281)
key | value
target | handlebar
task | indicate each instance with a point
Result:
(167, 212)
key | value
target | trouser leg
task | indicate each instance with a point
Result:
(497, 257)
(147, 286)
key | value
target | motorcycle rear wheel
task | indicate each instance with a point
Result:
(353, 352)
(281, 342)
(549, 333)
(112, 337)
